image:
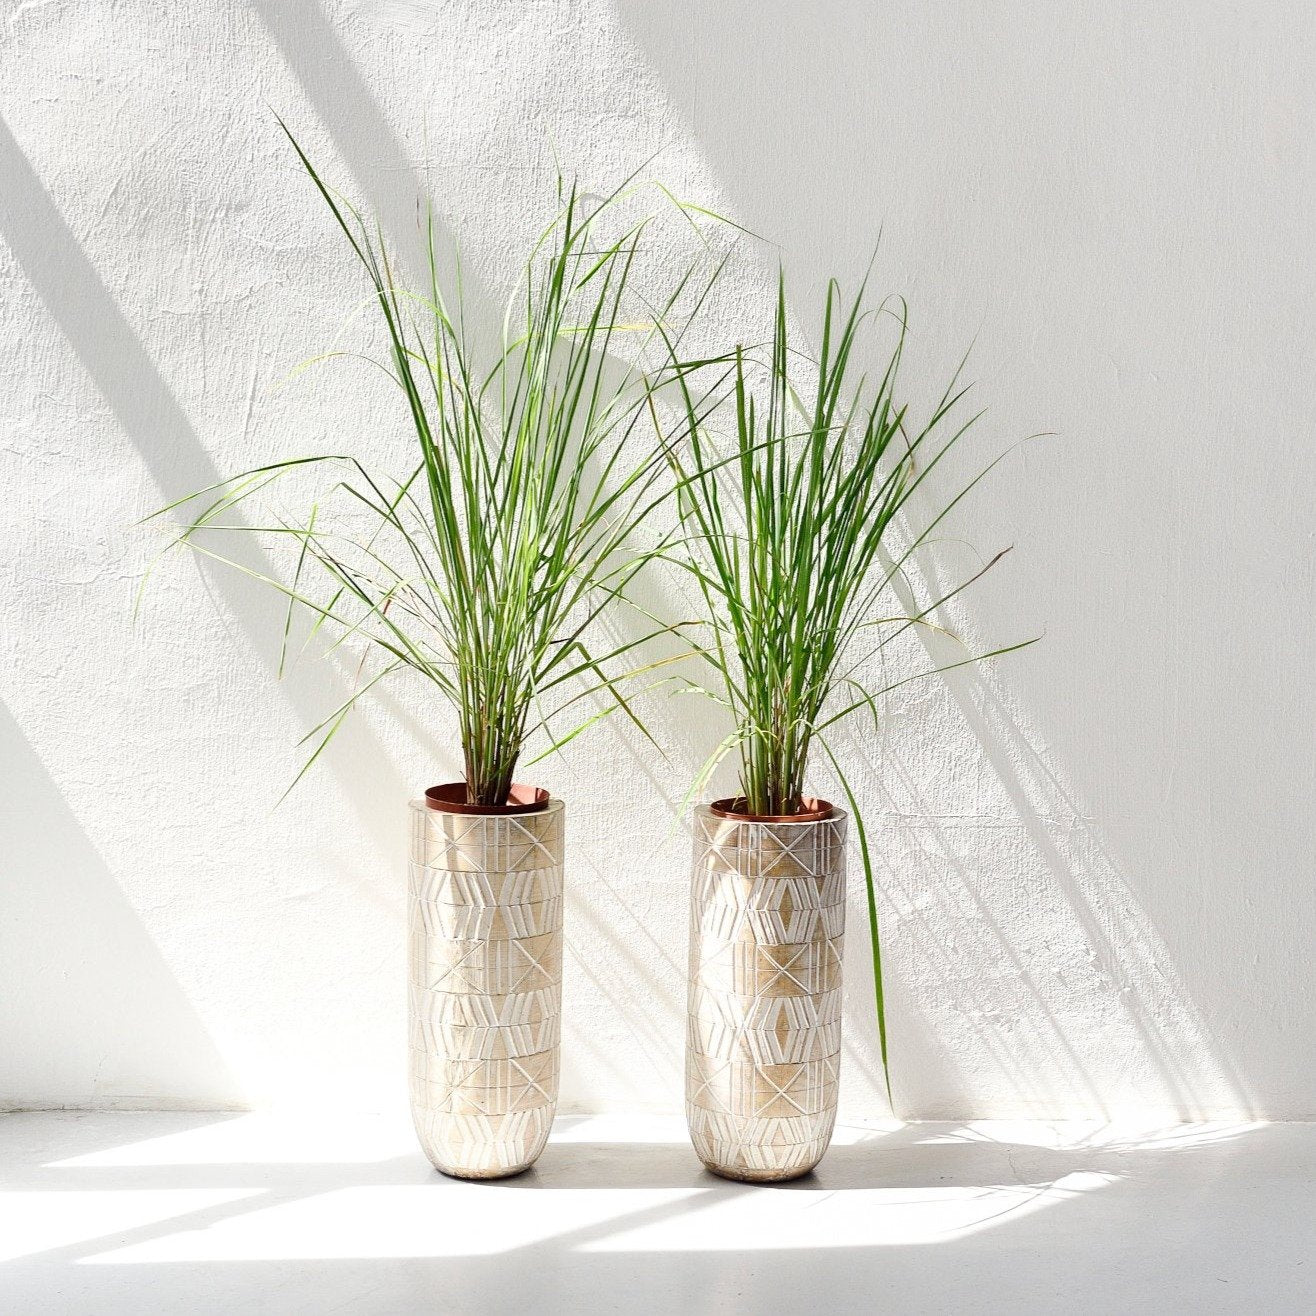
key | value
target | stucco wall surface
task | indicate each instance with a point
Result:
(1095, 856)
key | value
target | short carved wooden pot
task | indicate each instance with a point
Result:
(485, 986)
(763, 1047)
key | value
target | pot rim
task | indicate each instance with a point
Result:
(815, 810)
(450, 797)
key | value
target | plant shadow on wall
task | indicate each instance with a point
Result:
(1019, 948)
(1120, 984)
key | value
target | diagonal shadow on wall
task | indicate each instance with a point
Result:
(92, 993)
(142, 402)
(396, 195)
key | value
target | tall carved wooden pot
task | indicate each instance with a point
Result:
(763, 1048)
(485, 981)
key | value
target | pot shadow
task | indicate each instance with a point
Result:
(979, 1202)
(903, 1159)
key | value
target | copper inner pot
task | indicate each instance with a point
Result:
(451, 798)
(733, 806)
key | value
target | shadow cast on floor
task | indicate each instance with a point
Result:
(932, 1217)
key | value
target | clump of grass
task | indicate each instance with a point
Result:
(790, 533)
(483, 569)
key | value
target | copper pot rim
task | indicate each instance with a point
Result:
(450, 797)
(733, 806)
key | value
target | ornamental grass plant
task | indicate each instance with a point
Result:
(483, 569)
(795, 526)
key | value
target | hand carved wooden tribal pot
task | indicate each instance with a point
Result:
(486, 984)
(763, 1046)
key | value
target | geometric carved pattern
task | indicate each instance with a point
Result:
(763, 1040)
(485, 993)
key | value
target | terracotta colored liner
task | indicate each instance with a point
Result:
(734, 807)
(451, 798)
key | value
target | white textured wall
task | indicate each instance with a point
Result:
(1097, 857)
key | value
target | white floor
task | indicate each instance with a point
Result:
(196, 1213)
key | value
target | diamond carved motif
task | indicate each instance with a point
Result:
(485, 956)
(763, 1043)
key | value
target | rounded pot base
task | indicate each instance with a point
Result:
(759, 1176)
(481, 1176)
